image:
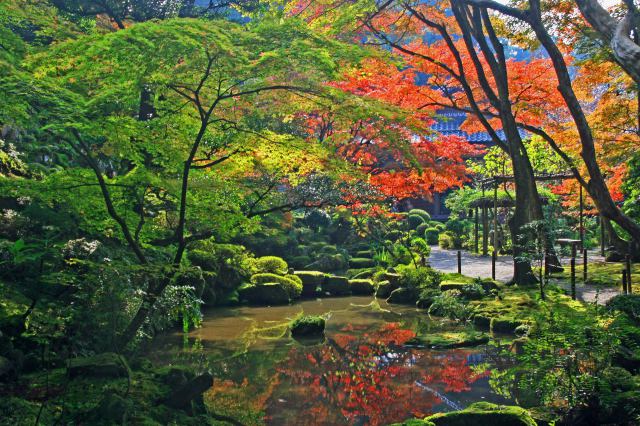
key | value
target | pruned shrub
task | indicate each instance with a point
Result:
(426, 217)
(431, 235)
(271, 265)
(446, 241)
(414, 221)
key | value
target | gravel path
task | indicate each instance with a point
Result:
(480, 266)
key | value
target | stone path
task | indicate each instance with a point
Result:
(480, 266)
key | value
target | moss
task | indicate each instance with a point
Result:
(448, 340)
(604, 274)
(307, 326)
(504, 325)
(384, 289)
(291, 283)
(336, 286)
(265, 294)
(484, 413)
(362, 287)
(102, 365)
(451, 285)
(402, 296)
(361, 262)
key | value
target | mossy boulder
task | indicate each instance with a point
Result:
(361, 262)
(104, 365)
(451, 285)
(112, 409)
(384, 289)
(482, 322)
(291, 283)
(311, 281)
(402, 296)
(265, 294)
(484, 413)
(307, 326)
(505, 325)
(393, 277)
(362, 287)
(336, 286)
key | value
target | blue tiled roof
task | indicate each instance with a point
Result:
(449, 122)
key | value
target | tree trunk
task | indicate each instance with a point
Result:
(155, 290)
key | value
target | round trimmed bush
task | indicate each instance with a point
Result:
(271, 265)
(422, 213)
(291, 283)
(265, 294)
(446, 241)
(420, 229)
(431, 235)
(414, 221)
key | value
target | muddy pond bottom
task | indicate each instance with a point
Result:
(361, 374)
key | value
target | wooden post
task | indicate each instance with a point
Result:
(584, 266)
(495, 218)
(493, 264)
(476, 231)
(459, 262)
(624, 281)
(581, 220)
(573, 277)
(629, 283)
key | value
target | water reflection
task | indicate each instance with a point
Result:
(362, 374)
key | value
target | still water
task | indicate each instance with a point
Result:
(363, 373)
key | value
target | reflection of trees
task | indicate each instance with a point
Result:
(370, 378)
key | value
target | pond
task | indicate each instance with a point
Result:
(362, 374)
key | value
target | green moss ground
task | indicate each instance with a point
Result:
(602, 273)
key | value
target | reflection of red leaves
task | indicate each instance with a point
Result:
(369, 377)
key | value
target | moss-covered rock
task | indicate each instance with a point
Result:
(291, 283)
(482, 322)
(484, 413)
(265, 294)
(361, 262)
(362, 287)
(451, 285)
(103, 365)
(307, 326)
(336, 286)
(311, 282)
(505, 325)
(402, 296)
(393, 277)
(384, 289)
